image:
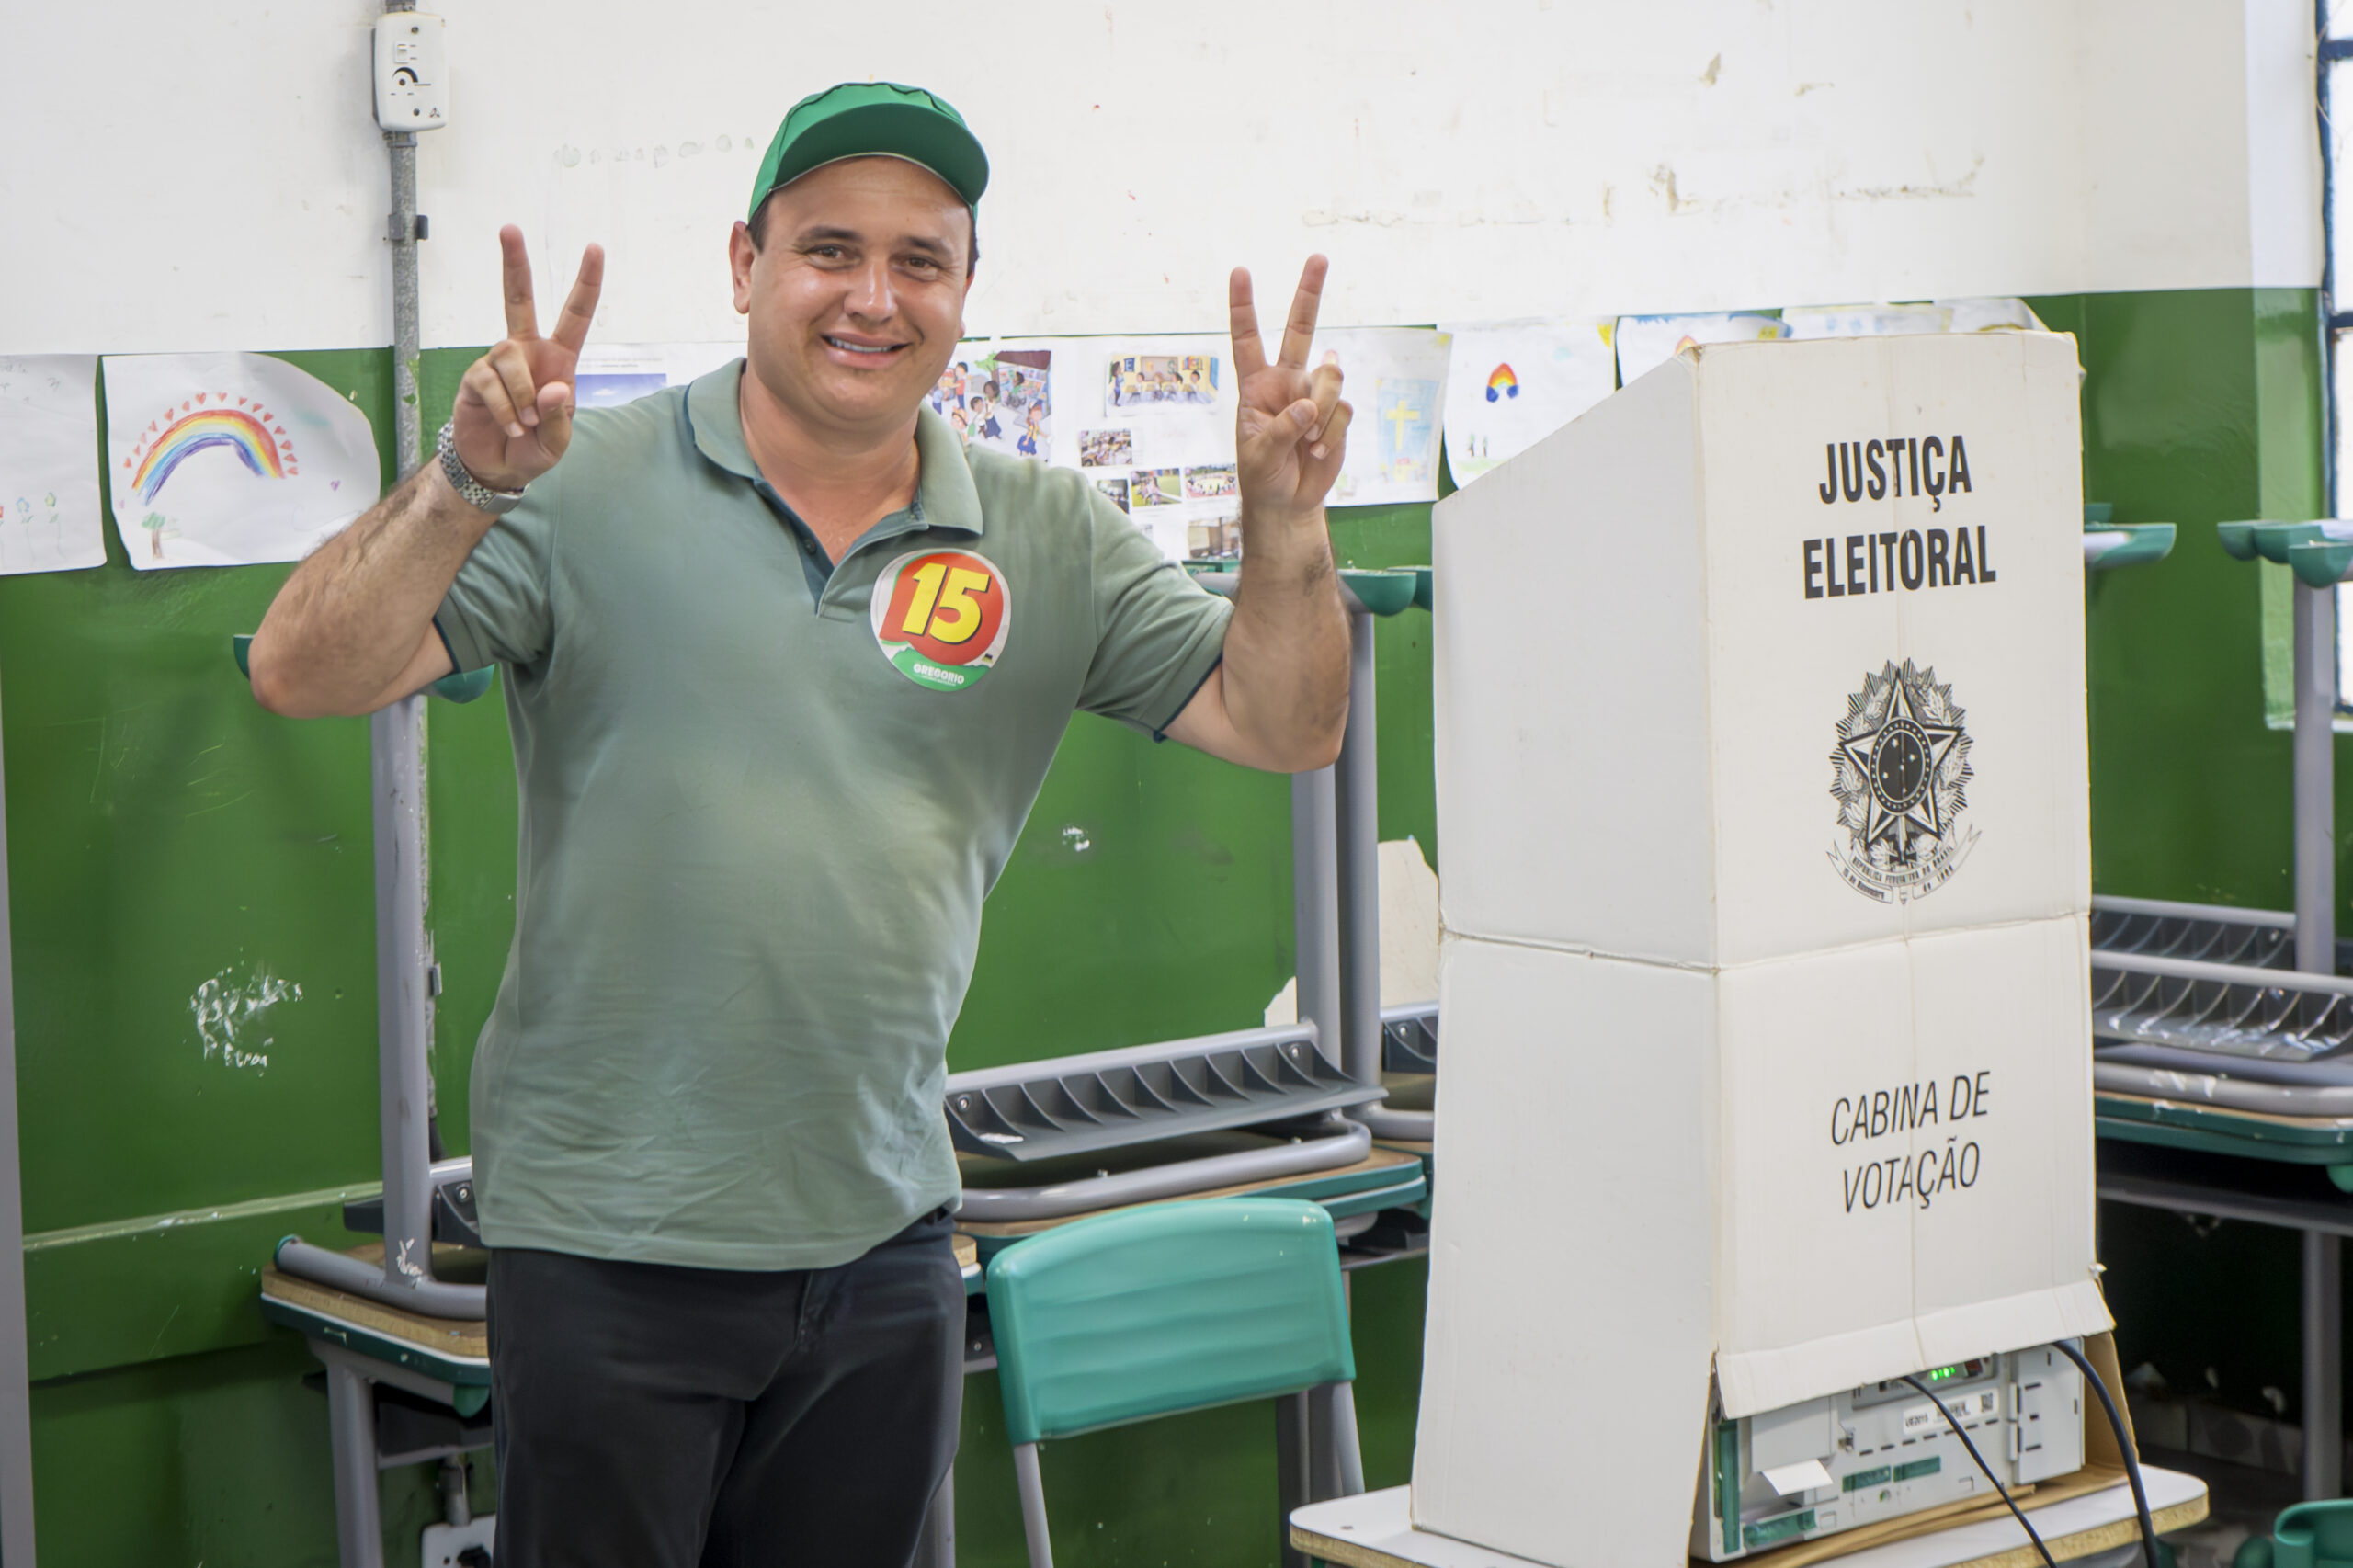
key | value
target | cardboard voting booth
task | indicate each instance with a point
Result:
(1761, 784)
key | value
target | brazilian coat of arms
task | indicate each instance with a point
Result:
(1900, 778)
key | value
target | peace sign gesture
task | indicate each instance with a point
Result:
(1291, 430)
(514, 409)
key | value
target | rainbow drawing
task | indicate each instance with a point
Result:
(1502, 384)
(240, 432)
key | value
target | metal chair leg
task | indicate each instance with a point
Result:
(1294, 1469)
(358, 1507)
(1032, 1486)
(2324, 1328)
(937, 1547)
(1341, 1465)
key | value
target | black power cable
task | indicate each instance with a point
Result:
(2124, 1443)
(2039, 1547)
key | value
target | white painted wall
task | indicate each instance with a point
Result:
(2283, 148)
(204, 177)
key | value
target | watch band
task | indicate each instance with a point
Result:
(472, 491)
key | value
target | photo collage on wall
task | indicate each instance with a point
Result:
(1156, 438)
(1001, 399)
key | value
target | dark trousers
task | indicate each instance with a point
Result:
(651, 1416)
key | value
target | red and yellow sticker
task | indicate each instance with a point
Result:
(941, 616)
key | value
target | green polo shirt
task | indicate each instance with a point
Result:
(762, 800)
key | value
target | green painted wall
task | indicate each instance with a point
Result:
(2198, 407)
(166, 833)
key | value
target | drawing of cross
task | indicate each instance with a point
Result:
(1401, 417)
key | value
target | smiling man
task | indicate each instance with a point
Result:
(786, 665)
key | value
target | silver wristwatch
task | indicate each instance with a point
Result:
(472, 491)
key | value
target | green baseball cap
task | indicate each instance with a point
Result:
(860, 119)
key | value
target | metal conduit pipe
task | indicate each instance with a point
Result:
(396, 781)
(396, 772)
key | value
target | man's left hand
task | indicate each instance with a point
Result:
(1291, 430)
(1280, 698)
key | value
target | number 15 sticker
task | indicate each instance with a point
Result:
(941, 616)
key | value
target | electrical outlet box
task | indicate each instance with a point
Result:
(461, 1546)
(412, 72)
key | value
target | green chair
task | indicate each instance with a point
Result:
(2309, 1535)
(1174, 1307)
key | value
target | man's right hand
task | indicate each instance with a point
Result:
(514, 408)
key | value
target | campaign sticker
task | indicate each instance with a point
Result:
(941, 616)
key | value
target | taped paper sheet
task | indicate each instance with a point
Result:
(1644, 343)
(1889, 320)
(1510, 385)
(610, 374)
(48, 464)
(1395, 381)
(229, 459)
(1150, 420)
(1002, 396)
(1865, 321)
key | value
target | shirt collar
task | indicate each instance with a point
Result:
(945, 496)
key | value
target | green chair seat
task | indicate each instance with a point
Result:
(2309, 1535)
(1169, 1308)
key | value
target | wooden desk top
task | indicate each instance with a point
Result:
(2264, 1118)
(464, 1339)
(1375, 1530)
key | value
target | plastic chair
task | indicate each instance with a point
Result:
(1173, 1307)
(2309, 1535)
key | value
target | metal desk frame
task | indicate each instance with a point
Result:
(2264, 1195)
(2322, 1224)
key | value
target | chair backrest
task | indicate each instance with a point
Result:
(2309, 1535)
(1175, 1306)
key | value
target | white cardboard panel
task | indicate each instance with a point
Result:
(1557, 1353)
(1718, 1224)
(2013, 1001)
(1569, 682)
(1797, 1037)
(1569, 706)
(1783, 666)
(1907, 1137)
